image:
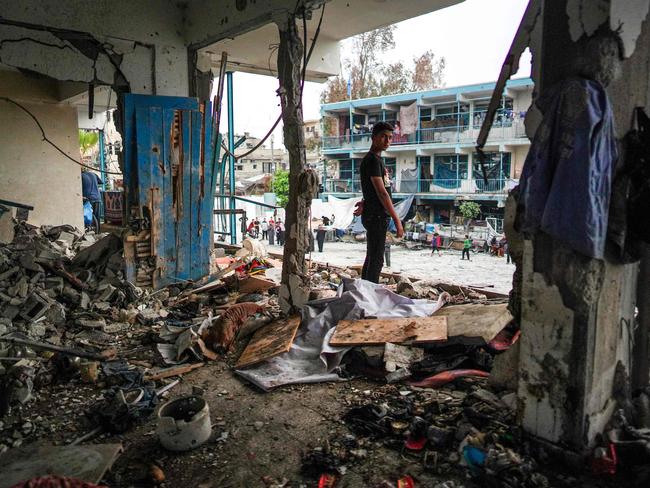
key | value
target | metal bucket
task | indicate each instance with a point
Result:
(184, 423)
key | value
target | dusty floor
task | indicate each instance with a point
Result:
(258, 438)
(481, 270)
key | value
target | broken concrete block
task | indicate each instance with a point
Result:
(10, 311)
(27, 261)
(115, 327)
(106, 292)
(37, 330)
(67, 237)
(56, 314)
(398, 375)
(34, 307)
(85, 300)
(71, 295)
(148, 316)
(19, 289)
(405, 287)
(91, 324)
(9, 273)
(396, 356)
(54, 283)
(101, 306)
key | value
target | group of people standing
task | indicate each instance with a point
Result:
(271, 230)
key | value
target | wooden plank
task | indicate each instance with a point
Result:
(475, 323)
(255, 284)
(367, 332)
(269, 341)
(173, 371)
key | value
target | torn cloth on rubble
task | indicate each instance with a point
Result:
(311, 359)
(566, 181)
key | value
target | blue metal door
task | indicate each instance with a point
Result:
(168, 159)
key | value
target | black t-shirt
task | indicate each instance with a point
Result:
(372, 165)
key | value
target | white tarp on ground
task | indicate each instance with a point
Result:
(311, 359)
(341, 208)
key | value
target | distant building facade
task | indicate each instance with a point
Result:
(433, 151)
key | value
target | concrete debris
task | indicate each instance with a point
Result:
(74, 333)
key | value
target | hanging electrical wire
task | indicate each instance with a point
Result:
(302, 85)
(46, 139)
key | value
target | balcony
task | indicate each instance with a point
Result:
(433, 186)
(455, 134)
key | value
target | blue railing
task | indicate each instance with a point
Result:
(504, 129)
(437, 186)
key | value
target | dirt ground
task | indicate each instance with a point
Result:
(258, 438)
(481, 270)
(257, 441)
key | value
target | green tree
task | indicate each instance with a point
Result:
(87, 140)
(469, 210)
(281, 187)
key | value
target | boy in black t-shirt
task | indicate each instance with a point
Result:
(376, 209)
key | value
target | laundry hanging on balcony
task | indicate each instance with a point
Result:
(409, 181)
(566, 181)
(408, 118)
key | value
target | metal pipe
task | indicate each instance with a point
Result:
(231, 158)
(102, 158)
(102, 167)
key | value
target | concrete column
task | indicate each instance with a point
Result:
(303, 183)
(574, 363)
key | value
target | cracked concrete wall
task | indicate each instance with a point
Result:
(145, 36)
(207, 21)
(31, 171)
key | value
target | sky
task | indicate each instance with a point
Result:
(474, 38)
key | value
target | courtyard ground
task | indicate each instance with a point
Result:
(482, 270)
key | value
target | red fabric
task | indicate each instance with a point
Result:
(445, 377)
(504, 339)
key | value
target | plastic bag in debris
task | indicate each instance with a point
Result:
(88, 213)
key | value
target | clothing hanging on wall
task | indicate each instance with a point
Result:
(566, 181)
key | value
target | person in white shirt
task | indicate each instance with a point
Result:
(265, 229)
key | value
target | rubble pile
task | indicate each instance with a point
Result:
(444, 434)
(68, 315)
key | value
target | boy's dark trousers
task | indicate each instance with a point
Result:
(376, 227)
(465, 252)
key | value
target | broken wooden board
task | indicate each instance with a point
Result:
(464, 289)
(474, 323)
(255, 284)
(88, 463)
(179, 370)
(269, 341)
(366, 332)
